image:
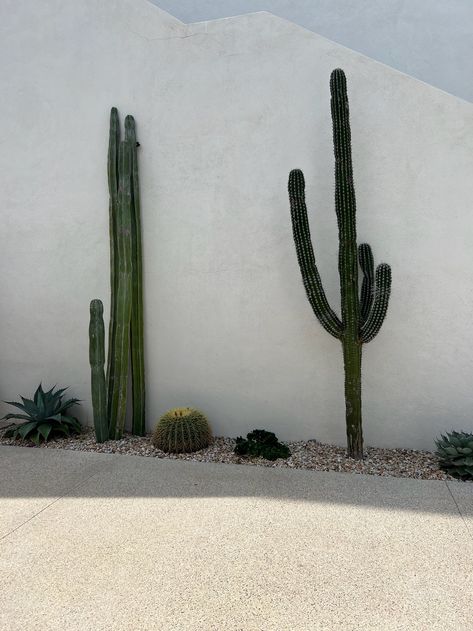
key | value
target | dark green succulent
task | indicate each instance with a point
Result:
(261, 443)
(455, 452)
(45, 416)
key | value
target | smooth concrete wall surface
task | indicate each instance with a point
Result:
(427, 39)
(224, 111)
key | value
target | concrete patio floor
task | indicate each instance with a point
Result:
(108, 542)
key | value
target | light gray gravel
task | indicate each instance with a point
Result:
(399, 463)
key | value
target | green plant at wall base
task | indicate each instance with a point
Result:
(455, 452)
(126, 299)
(97, 362)
(363, 312)
(182, 430)
(260, 443)
(45, 416)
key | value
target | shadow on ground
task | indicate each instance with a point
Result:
(44, 473)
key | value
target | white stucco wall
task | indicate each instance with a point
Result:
(224, 110)
(427, 39)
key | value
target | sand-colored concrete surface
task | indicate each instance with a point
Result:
(98, 542)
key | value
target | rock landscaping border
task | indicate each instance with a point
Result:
(310, 454)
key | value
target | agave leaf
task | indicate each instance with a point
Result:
(59, 392)
(68, 404)
(452, 451)
(23, 417)
(73, 422)
(49, 401)
(20, 406)
(63, 429)
(464, 450)
(49, 394)
(54, 417)
(44, 429)
(35, 438)
(40, 401)
(38, 394)
(29, 407)
(26, 428)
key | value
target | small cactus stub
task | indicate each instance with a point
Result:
(182, 430)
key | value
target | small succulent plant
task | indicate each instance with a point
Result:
(455, 452)
(45, 416)
(182, 430)
(261, 443)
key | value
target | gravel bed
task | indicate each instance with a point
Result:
(399, 463)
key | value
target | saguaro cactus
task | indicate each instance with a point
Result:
(362, 313)
(97, 361)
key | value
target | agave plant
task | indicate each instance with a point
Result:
(455, 452)
(45, 416)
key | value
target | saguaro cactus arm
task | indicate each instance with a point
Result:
(305, 256)
(365, 258)
(375, 319)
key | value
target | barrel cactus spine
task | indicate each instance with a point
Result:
(97, 362)
(362, 315)
(182, 430)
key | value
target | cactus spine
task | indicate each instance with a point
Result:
(362, 315)
(126, 285)
(136, 330)
(97, 361)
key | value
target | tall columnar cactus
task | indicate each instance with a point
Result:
(362, 312)
(126, 305)
(136, 330)
(97, 362)
(112, 172)
(123, 293)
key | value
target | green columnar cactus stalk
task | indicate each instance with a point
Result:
(126, 305)
(362, 315)
(112, 172)
(123, 295)
(136, 330)
(97, 361)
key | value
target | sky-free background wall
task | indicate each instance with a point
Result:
(224, 110)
